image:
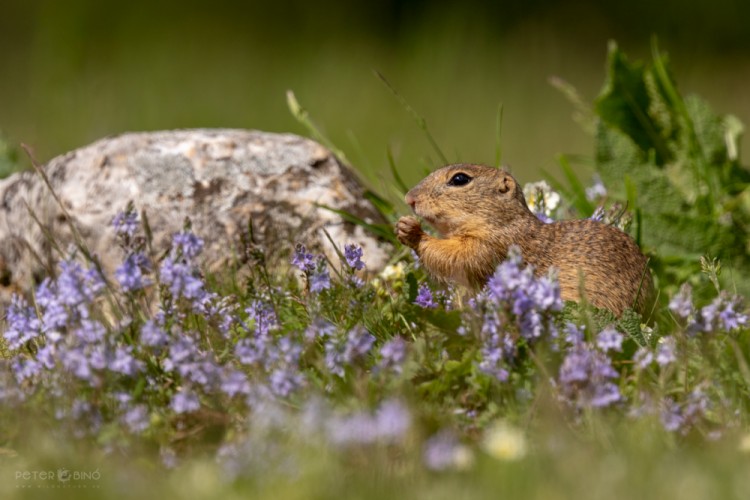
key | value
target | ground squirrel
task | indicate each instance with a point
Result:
(481, 211)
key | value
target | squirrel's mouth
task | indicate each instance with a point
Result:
(434, 222)
(431, 219)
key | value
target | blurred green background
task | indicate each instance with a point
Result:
(77, 70)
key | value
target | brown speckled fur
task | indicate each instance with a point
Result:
(480, 220)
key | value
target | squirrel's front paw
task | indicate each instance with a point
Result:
(409, 231)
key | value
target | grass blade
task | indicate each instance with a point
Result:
(421, 122)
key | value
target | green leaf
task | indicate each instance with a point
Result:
(413, 287)
(624, 104)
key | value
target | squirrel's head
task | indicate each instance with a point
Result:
(465, 198)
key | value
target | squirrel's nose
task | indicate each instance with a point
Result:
(409, 199)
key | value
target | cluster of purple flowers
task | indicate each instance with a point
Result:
(277, 356)
(587, 376)
(722, 313)
(389, 423)
(68, 339)
(393, 355)
(424, 297)
(515, 305)
(343, 351)
(515, 290)
(315, 269)
(65, 334)
(442, 451)
(665, 354)
(676, 417)
(196, 348)
(126, 223)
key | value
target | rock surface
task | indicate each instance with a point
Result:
(223, 180)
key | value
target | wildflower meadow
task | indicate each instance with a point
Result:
(326, 379)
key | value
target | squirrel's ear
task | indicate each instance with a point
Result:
(507, 182)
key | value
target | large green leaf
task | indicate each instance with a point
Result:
(625, 102)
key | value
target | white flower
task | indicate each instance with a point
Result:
(393, 272)
(550, 200)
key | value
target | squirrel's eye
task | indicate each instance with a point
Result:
(460, 179)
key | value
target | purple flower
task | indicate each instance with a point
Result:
(353, 255)
(46, 356)
(24, 368)
(343, 352)
(358, 342)
(185, 401)
(319, 328)
(284, 381)
(709, 314)
(23, 324)
(125, 223)
(643, 358)
(441, 450)
(730, 318)
(610, 339)
(390, 422)
(585, 377)
(180, 280)
(181, 351)
(187, 244)
(545, 294)
(287, 351)
(263, 316)
(320, 280)
(98, 358)
(597, 190)
(574, 333)
(605, 394)
(303, 260)
(130, 273)
(234, 382)
(90, 332)
(76, 362)
(152, 334)
(491, 364)
(203, 371)
(136, 419)
(123, 362)
(520, 296)
(682, 303)
(665, 352)
(544, 217)
(76, 286)
(424, 297)
(676, 417)
(671, 417)
(598, 214)
(251, 351)
(494, 350)
(393, 354)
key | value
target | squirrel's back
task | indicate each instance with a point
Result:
(598, 259)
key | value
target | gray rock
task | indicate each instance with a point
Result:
(223, 180)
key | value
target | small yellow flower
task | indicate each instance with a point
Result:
(504, 442)
(745, 443)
